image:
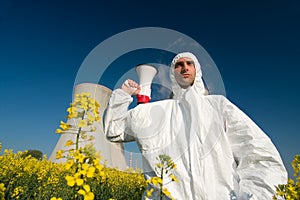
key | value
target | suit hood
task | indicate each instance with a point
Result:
(198, 83)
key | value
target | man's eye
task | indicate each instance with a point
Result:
(190, 62)
(179, 64)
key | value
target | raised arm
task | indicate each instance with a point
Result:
(117, 111)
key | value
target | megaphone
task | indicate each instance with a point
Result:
(146, 74)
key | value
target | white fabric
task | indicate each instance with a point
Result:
(220, 152)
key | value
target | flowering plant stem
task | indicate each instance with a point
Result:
(163, 169)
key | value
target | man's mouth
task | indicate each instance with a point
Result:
(186, 75)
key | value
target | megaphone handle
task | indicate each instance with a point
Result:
(142, 98)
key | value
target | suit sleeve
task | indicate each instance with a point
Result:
(116, 118)
(259, 165)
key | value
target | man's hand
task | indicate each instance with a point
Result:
(131, 87)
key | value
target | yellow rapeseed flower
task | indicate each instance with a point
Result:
(97, 118)
(87, 188)
(82, 123)
(280, 193)
(69, 143)
(98, 166)
(71, 152)
(59, 131)
(89, 196)
(59, 154)
(92, 102)
(160, 165)
(85, 166)
(174, 166)
(174, 178)
(79, 181)
(155, 180)
(84, 104)
(166, 192)
(64, 126)
(72, 110)
(90, 172)
(70, 180)
(2, 190)
(69, 164)
(54, 198)
(17, 191)
(149, 192)
(291, 190)
(81, 191)
(86, 192)
(79, 156)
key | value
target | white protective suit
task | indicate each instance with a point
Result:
(220, 152)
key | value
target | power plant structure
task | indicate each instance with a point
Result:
(112, 153)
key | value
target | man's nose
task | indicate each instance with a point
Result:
(184, 67)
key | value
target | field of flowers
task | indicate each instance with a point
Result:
(30, 178)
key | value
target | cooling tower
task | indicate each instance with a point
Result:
(112, 153)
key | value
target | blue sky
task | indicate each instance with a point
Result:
(255, 45)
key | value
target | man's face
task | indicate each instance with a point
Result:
(185, 72)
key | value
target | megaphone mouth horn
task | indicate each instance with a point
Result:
(146, 73)
(147, 66)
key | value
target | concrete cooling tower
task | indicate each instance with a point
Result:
(113, 153)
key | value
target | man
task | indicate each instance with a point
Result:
(220, 153)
